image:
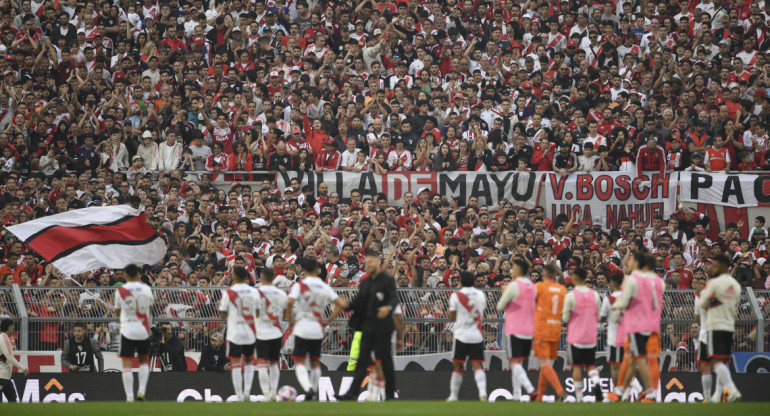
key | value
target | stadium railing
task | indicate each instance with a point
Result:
(45, 316)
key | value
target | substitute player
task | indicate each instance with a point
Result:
(720, 301)
(637, 304)
(518, 302)
(466, 309)
(133, 302)
(239, 305)
(581, 314)
(615, 338)
(550, 300)
(272, 304)
(311, 295)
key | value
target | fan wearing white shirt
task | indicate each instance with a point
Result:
(349, 157)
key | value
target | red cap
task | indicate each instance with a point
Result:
(330, 142)
(526, 84)
(515, 45)
(234, 184)
(467, 227)
(700, 231)
(568, 280)
(296, 130)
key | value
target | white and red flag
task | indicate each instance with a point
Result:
(91, 238)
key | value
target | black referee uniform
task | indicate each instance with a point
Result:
(376, 333)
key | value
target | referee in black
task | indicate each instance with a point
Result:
(373, 316)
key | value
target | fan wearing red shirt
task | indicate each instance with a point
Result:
(717, 156)
(172, 41)
(559, 241)
(329, 158)
(650, 158)
(221, 132)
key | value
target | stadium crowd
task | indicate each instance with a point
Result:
(153, 103)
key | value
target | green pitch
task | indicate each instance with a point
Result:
(383, 409)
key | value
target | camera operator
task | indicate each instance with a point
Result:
(172, 349)
(79, 352)
(213, 356)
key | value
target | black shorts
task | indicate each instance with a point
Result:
(129, 346)
(7, 390)
(304, 347)
(581, 357)
(269, 349)
(720, 344)
(637, 344)
(463, 352)
(518, 349)
(615, 355)
(236, 351)
(703, 352)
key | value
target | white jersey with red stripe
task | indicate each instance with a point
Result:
(134, 300)
(272, 302)
(241, 303)
(311, 296)
(469, 304)
(262, 249)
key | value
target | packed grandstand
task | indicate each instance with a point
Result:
(241, 130)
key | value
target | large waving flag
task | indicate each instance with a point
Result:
(91, 238)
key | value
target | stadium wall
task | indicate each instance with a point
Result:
(742, 362)
(216, 387)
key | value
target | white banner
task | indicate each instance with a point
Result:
(725, 189)
(610, 196)
(518, 188)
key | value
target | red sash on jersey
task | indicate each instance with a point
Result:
(125, 294)
(303, 288)
(248, 318)
(463, 298)
(274, 319)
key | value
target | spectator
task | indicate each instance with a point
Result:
(213, 356)
(172, 349)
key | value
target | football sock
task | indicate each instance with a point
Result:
(706, 381)
(237, 376)
(128, 383)
(454, 384)
(521, 375)
(516, 383)
(481, 381)
(248, 379)
(315, 378)
(652, 363)
(144, 376)
(303, 378)
(723, 373)
(579, 390)
(553, 379)
(275, 374)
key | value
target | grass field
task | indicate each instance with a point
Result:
(398, 408)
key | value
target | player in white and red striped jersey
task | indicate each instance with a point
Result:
(133, 302)
(310, 295)
(466, 309)
(272, 304)
(239, 305)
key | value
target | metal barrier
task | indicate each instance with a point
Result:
(46, 314)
